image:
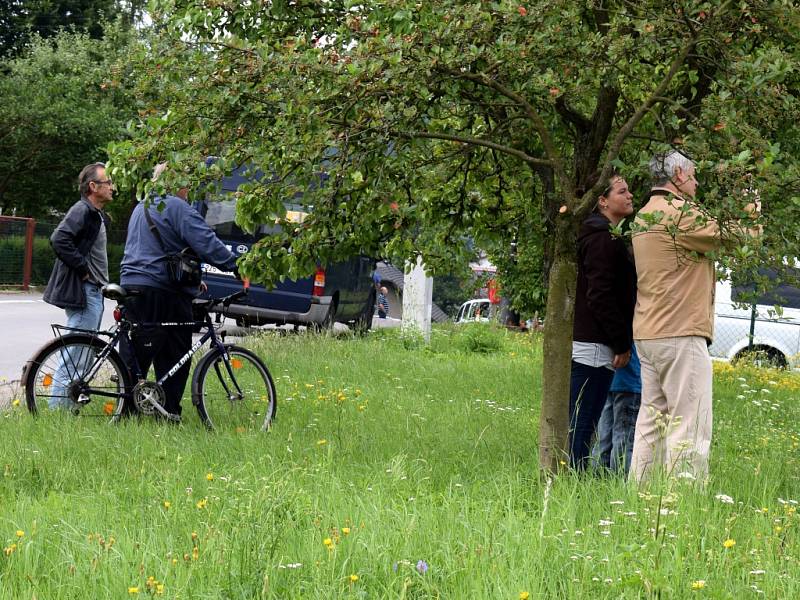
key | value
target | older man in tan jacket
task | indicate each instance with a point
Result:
(673, 323)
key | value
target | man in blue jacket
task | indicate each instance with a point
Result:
(81, 267)
(156, 298)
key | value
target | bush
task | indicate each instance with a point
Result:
(480, 338)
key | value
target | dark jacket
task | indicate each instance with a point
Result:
(606, 290)
(180, 225)
(72, 241)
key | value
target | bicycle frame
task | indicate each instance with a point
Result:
(121, 334)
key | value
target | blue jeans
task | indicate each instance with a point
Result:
(588, 390)
(615, 431)
(71, 363)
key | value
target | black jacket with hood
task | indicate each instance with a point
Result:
(606, 290)
(72, 242)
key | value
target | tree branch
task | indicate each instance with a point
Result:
(531, 160)
(616, 146)
(538, 123)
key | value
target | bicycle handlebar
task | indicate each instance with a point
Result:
(225, 302)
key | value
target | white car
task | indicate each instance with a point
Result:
(776, 337)
(480, 310)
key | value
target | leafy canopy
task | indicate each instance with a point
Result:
(439, 122)
(62, 103)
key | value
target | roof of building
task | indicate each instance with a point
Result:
(396, 277)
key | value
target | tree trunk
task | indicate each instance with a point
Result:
(553, 421)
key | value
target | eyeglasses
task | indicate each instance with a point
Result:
(104, 181)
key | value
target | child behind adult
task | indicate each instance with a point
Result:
(615, 430)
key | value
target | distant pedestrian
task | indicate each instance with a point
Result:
(383, 303)
(81, 267)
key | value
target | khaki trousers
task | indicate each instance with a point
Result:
(673, 429)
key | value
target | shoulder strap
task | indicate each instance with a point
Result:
(153, 227)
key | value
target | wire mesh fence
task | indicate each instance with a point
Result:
(767, 332)
(42, 257)
(16, 250)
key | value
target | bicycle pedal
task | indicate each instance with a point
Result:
(83, 399)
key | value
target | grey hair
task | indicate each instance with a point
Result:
(87, 175)
(663, 166)
(158, 171)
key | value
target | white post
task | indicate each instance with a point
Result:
(417, 299)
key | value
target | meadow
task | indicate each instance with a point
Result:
(395, 470)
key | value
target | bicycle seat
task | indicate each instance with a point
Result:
(114, 292)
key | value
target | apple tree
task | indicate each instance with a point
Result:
(416, 128)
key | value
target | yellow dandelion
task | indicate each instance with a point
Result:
(524, 596)
(15, 403)
(346, 530)
(729, 543)
(133, 590)
(20, 533)
(353, 578)
(321, 442)
(328, 542)
(9, 550)
(167, 503)
(202, 503)
(159, 589)
(174, 561)
(699, 584)
(209, 477)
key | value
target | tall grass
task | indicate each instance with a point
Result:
(394, 470)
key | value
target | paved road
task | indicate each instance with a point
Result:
(25, 326)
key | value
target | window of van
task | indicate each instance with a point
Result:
(784, 295)
(221, 217)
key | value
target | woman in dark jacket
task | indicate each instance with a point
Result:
(602, 334)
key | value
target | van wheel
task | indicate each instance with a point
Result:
(327, 322)
(363, 322)
(762, 356)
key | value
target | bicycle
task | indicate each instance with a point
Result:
(231, 386)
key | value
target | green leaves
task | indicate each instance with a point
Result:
(435, 127)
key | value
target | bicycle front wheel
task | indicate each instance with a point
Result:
(235, 394)
(67, 374)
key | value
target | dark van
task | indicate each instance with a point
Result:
(342, 292)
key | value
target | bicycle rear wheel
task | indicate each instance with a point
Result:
(65, 374)
(239, 395)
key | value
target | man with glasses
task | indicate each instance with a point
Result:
(81, 267)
